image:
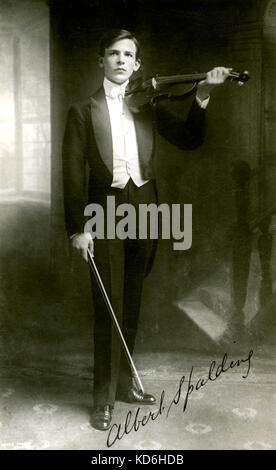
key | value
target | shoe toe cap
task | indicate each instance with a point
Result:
(101, 418)
(140, 397)
(150, 398)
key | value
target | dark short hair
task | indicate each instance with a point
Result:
(114, 35)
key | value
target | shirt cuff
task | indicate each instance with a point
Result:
(202, 104)
(88, 236)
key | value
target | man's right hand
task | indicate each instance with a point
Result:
(81, 242)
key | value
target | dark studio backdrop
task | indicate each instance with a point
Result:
(229, 180)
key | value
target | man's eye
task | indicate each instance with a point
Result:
(128, 54)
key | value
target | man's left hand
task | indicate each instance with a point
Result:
(214, 77)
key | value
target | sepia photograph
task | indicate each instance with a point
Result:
(137, 227)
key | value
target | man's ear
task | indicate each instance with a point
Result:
(100, 61)
(137, 65)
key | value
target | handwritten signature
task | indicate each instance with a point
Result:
(133, 421)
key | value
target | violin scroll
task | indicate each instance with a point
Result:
(241, 77)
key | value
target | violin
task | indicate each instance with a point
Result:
(174, 87)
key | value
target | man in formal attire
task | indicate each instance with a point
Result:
(117, 145)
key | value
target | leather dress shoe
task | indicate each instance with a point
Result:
(135, 396)
(101, 417)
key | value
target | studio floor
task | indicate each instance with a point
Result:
(46, 398)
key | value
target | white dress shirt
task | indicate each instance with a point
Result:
(125, 150)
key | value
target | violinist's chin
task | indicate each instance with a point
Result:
(119, 76)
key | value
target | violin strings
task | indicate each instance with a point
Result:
(192, 77)
(181, 78)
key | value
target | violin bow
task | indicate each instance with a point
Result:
(97, 276)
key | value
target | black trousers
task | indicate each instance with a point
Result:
(123, 265)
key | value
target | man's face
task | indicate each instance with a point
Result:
(119, 61)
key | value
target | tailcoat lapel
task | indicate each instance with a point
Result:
(102, 128)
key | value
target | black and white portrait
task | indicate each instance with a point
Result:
(137, 225)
